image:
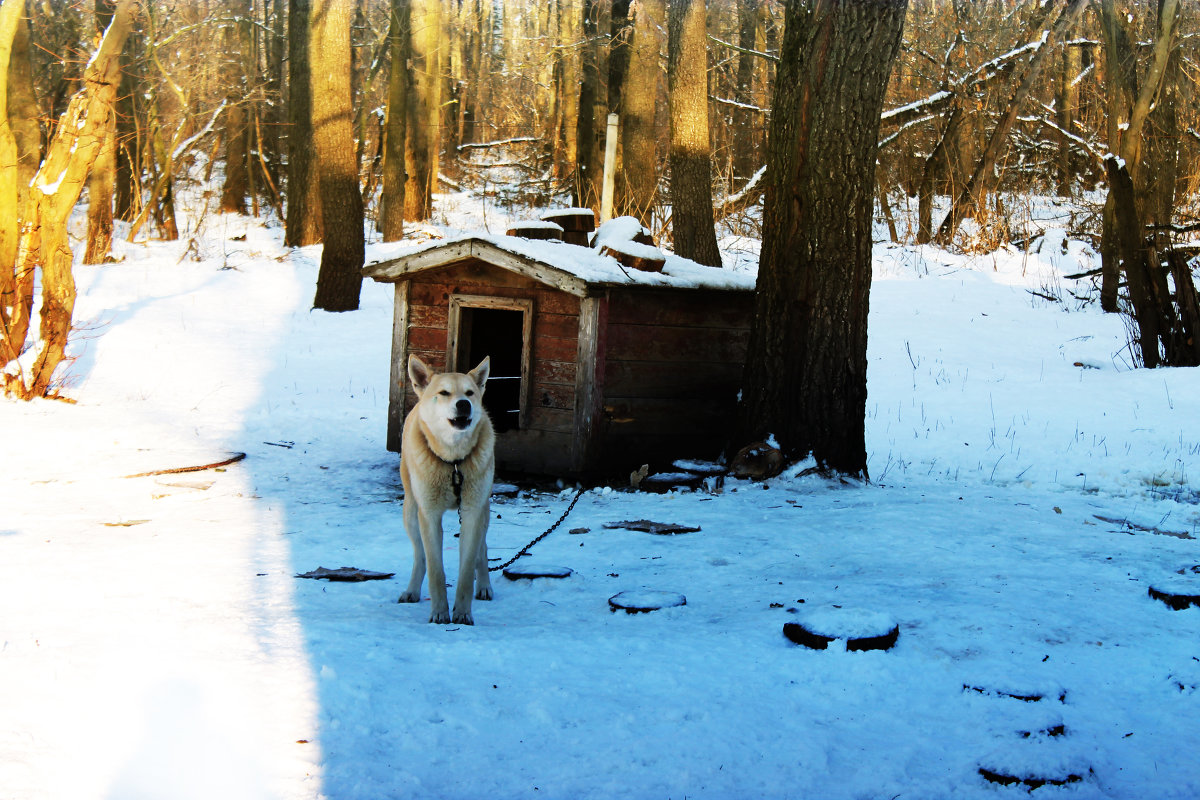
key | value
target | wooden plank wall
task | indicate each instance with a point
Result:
(673, 370)
(545, 445)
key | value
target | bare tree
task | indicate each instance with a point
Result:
(392, 210)
(101, 183)
(639, 106)
(237, 133)
(589, 163)
(339, 281)
(43, 242)
(806, 369)
(692, 224)
(983, 180)
(424, 110)
(303, 225)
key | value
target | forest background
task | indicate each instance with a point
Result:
(989, 104)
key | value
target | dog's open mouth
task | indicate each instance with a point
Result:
(461, 423)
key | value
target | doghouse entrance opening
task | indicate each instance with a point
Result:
(500, 334)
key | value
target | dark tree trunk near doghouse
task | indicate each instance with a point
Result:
(806, 370)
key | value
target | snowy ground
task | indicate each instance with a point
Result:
(155, 644)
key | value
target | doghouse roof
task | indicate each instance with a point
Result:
(573, 269)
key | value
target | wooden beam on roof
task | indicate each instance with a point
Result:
(539, 271)
(404, 267)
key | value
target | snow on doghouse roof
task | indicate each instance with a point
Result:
(570, 268)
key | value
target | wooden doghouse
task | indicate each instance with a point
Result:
(595, 367)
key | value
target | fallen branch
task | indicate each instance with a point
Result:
(233, 459)
(746, 50)
(744, 197)
(499, 143)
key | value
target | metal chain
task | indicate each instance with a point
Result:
(525, 550)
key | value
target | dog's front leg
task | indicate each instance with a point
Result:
(431, 537)
(412, 526)
(483, 579)
(470, 542)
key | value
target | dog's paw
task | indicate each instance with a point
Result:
(410, 597)
(484, 593)
(463, 618)
(440, 617)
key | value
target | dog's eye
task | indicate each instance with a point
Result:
(444, 393)
(470, 393)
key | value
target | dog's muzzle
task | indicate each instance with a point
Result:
(462, 418)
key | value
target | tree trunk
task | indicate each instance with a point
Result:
(102, 181)
(566, 78)
(236, 46)
(130, 130)
(1066, 102)
(304, 221)
(1162, 143)
(1119, 82)
(938, 159)
(589, 136)
(339, 281)
(23, 113)
(806, 368)
(1131, 137)
(56, 188)
(1139, 264)
(392, 211)
(424, 110)
(691, 159)
(745, 154)
(11, 19)
(639, 104)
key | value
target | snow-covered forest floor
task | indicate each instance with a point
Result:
(1028, 487)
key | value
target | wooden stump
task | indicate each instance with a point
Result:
(1028, 781)
(1179, 589)
(662, 482)
(644, 257)
(517, 572)
(861, 631)
(576, 223)
(757, 461)
(644, 601)
(536, 229)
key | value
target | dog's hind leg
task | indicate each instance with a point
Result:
(412, 525)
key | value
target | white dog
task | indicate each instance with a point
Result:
(447, 461)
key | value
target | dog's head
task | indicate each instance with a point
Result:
(450, 403)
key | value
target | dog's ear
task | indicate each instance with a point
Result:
(480, 373)
(419, 374)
